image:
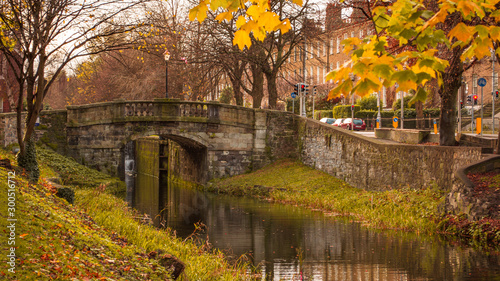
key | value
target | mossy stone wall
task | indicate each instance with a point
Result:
(51, 131)
(378, 165)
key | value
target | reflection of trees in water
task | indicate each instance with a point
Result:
(332, 249)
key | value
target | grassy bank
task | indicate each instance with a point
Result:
(97, 238)
(290, 182)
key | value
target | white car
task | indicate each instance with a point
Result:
(327, 120)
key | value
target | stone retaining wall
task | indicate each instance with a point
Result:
(460, 200)
(377, 165)
(51, 131)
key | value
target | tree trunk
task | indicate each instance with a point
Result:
(236, 81)
(271, 89)
(447, 119)
(448, 93)
(257, 86)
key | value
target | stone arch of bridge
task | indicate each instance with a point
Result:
(193, 157)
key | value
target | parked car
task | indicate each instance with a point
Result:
(338, 122)
(359, 124)
(327, 120)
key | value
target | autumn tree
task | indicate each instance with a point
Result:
(444, 39)
(42, 35)
(279, 46)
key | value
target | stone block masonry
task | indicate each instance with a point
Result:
(376, 165)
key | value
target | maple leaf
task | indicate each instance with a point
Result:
(242, 39)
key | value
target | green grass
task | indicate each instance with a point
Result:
(290, 182)
(71, 173)
(97, 238)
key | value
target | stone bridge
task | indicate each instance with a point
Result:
(223, 140)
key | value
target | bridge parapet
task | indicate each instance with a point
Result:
(156, 110)
(139, 109)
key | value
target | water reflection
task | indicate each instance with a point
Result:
(291, 243)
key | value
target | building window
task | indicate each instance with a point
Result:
(338, 64)
(338, 44)
(311, 74)
(325, 46)
(331, 46)
(312, 50)
(319, 49)
(319, 75)
(352, 34)
(361, 34)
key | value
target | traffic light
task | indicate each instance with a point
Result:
(469, 99)
(475, 99)
(496, 94)
(296, 88)
(302, 88)
(352, 107)
(461, 104)
(306, 89)
(314, 90)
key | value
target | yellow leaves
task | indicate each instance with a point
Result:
(257, 20)
(469, 8)
(224, 16)
(199, 12)
(482, 47)
(495, 33)
(269, 21)
(242, 39)
(462, 32)
(439, 17)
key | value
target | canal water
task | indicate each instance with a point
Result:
(292, 243)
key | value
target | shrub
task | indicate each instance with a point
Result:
(433, 112)
(318, 114)
(365, 114)
(368, 103)
(344, 111)
(397, 104)
(226, 96)
(66, 193)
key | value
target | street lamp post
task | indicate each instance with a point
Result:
(166, 55)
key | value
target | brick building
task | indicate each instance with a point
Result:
(324, 53)
(8, 87)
